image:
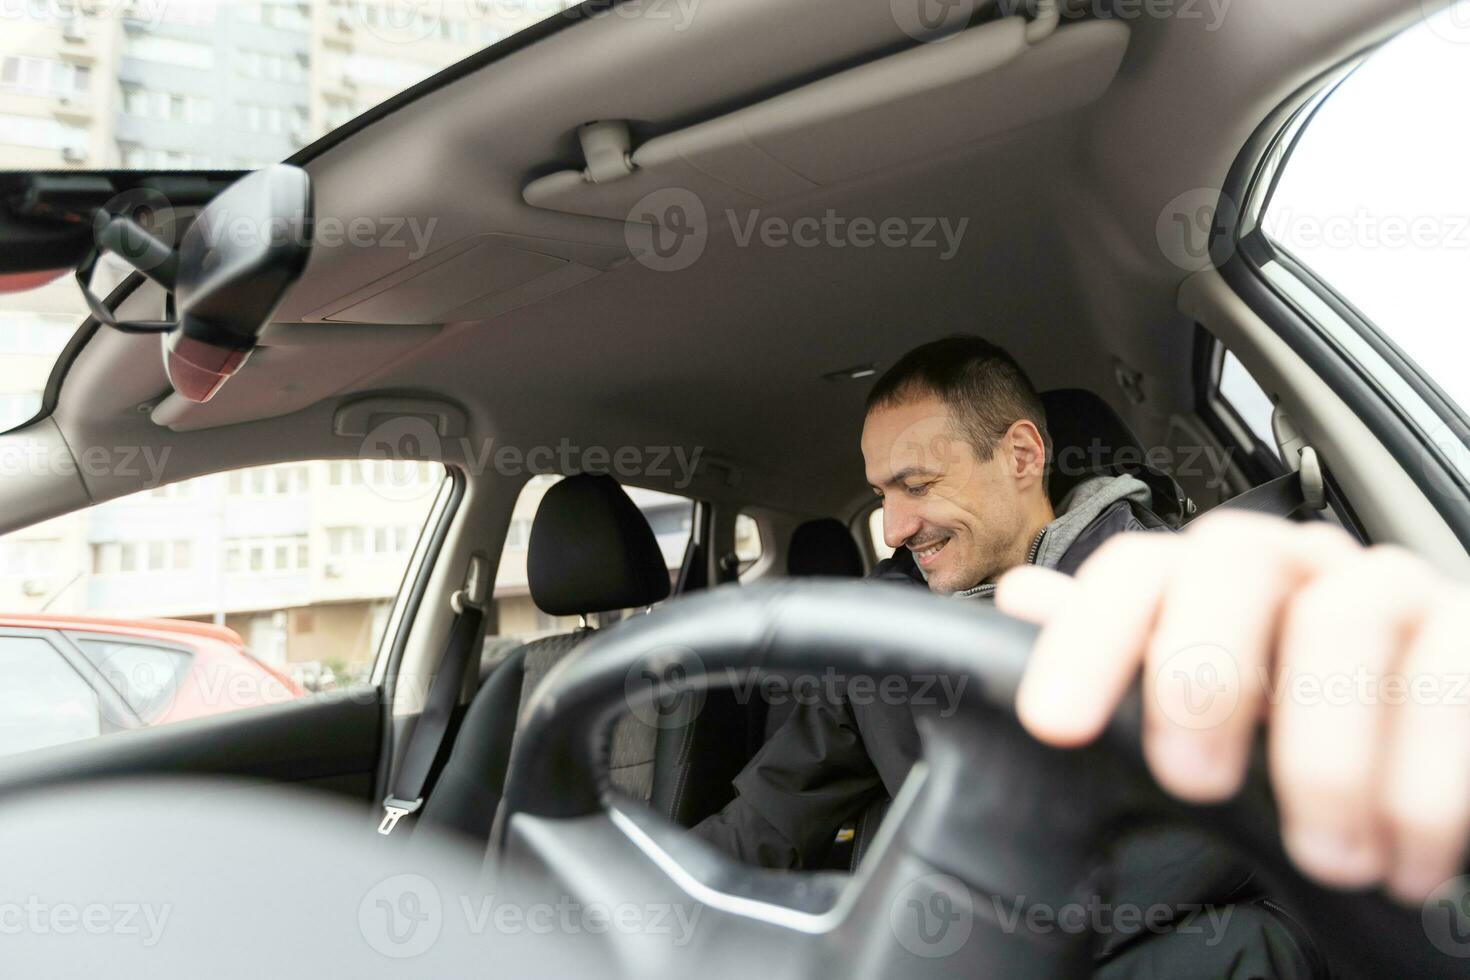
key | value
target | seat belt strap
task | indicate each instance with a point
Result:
(427, 738)
(1285, 495)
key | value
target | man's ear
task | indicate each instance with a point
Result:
(1027, 451)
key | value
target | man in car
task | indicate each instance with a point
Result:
(955, 444)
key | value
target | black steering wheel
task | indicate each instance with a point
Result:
(988, 808)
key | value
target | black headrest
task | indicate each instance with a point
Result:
(1086, 435)
(824, 547)
(592, 550)
(1090, 439)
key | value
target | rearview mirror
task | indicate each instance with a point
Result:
(246, 247)
(236, 262)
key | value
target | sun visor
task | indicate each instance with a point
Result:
(909, 106)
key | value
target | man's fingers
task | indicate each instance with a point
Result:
(1034, 594)
(1202, 690)
(1341, 635)
(1210, 654)
(1425, 795)
(1090, 648)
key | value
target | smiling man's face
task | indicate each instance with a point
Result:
(966, 520)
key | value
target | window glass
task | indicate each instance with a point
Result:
(1375, 200)
(517, 619)
(228, 591)
(43, 700)
(146, 677)
(286, 73)
(748, 546)
(1250, 402)
(875, 530)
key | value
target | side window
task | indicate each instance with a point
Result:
(1238, 410)
(43, 700)
(517, 619)
(1251, 405)
(748, 545)
(146, 677)
(223, 592)
(1368, 226)
(875, 532)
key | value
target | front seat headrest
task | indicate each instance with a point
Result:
(824, 547)
(1090, 439)
(591, 550)
(1086, 435)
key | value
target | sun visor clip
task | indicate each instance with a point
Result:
(607, 147)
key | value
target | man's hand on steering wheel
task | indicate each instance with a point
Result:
(1358, 657)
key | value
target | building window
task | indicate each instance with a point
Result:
(171, 51)
(43, 76)
(46, 134)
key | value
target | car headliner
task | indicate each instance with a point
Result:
(1060, 263)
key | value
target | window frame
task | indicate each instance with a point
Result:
(1258, 462)
(1252, 180)
(77, 637)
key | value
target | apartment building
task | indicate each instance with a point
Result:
(230, 86)
(57, 92)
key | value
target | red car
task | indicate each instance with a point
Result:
(64, 678)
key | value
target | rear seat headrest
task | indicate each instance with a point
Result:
(824, 547)
(592, 550)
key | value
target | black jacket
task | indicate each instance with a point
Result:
(838, 762)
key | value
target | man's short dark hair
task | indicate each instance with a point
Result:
(983, 386)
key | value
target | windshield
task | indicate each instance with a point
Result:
(206, 85)
(198, 85)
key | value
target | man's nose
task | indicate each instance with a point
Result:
(900, 522)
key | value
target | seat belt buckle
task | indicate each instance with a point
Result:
(395, 810)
